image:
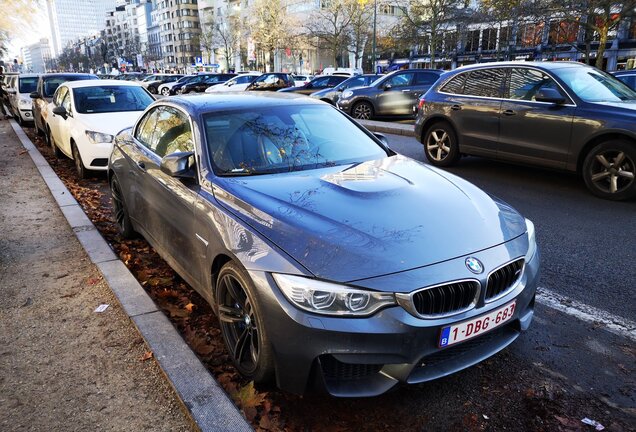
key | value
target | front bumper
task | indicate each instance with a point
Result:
(95, 156)
(344, 105)
(357, 357)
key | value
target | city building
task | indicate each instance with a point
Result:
(179, 34)
(73, 19)
(126, 34)
(35, 57)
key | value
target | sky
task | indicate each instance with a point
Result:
(30, 33)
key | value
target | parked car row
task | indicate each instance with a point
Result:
(295, 250)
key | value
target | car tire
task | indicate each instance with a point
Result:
(440, 145)
(242, 326)
(82, 172)
(39, 131)
(122, 217)
(152, 90)
(49, 141)
(609, 170)
(165, 91)
(362, 111)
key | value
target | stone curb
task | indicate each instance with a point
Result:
(390, 128)
(205, 401)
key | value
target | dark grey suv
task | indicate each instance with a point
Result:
(396, 94)
(559, 115)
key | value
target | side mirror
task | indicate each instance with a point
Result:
(179, 164)
(549, 95)
(35, 95)
(61, 111)
(387, 87)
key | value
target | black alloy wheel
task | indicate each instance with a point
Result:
(440, 145)
(242, 328)
(362, 111)
(121, 211)
(82, 172)
(609, 170)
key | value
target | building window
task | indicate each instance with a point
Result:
(531, 34)
(563, 32)
(472, 41)
(489, 39)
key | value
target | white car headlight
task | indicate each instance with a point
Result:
(347, 93)
(331, 299)
(24, 103)
(98, 137)
(532, 241)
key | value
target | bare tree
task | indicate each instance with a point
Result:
(329, 27)
(270, 26)
(429, 18)
(360, 27)
(597, 18)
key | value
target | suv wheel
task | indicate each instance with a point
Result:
(362, 111)
(440, 145)
(609, 170)
(241, 324)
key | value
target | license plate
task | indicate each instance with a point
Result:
(477, 326)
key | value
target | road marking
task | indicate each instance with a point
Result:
(617, 325)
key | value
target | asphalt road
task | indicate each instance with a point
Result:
(588, 244)
(588, 248)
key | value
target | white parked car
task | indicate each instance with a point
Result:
(19, 92)
(85, 116)
(238, 83)
(301, 80)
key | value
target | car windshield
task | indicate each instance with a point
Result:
(285, 138)
(593, 85)
(52, 83)
(28, 85)
(112, 98)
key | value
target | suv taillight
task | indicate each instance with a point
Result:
(420, 104)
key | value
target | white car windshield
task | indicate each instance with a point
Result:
(110, 98)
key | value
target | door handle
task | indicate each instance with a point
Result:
(406, 90)
(456, 107)
(509, 113)
(142, 166)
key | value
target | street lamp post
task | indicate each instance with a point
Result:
(375, 19)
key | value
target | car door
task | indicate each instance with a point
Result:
(168, 202)
(531, 131)
(394, 96)
(65, 125)
(423, 82)
(54, 120)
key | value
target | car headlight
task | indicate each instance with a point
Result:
(98, 137)
(347, 93)
(331, 299)
(532, 241)
(24, 103)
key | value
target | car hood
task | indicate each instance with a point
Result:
(323, 92)
(292, 89)
(353, 222)
(109, 123)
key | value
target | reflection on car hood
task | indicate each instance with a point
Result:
(353, 222)
(109, 123)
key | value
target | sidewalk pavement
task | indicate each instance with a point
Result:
(64, 367)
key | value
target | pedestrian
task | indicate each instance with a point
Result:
(3, 95)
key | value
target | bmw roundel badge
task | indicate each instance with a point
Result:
(474, 265)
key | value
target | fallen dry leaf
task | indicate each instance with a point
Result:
(189, 307)
(147, 356)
